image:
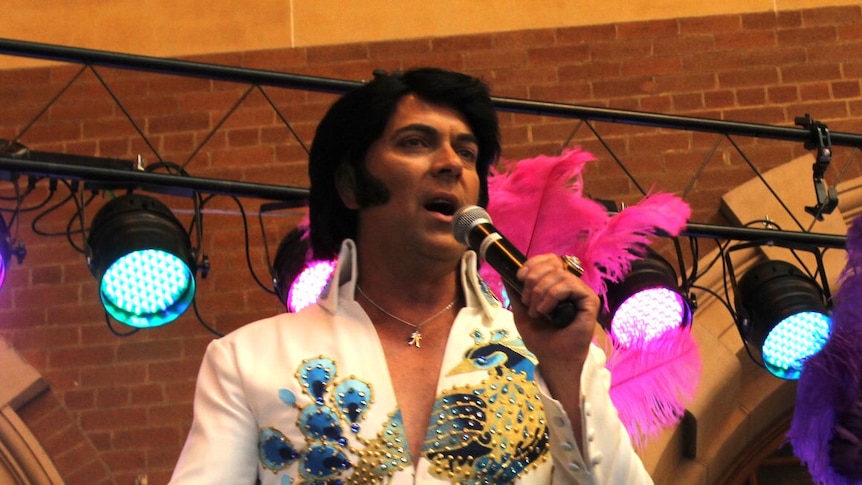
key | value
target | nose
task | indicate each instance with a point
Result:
(449, 162)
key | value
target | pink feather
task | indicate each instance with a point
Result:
(538, 204)
(650, 383)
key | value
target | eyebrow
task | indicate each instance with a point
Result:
(430, 130)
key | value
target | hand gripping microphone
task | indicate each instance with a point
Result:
(472, 227)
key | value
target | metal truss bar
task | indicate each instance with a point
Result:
(174, 184)
(173, 66)
(321, 84)
(754, 130)
(764, 235)
(177, 184)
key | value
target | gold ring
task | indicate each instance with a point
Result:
(573, 264)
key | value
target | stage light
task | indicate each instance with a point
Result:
(298, 281)
(646, 303)
(782, 316)
(142, 258)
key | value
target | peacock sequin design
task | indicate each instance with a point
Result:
(333, 453)
(493, 432)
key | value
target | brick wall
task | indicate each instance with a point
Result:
(120, 406)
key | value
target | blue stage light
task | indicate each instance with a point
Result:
(782, 316)
(142, 258)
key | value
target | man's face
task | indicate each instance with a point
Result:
(426, 159)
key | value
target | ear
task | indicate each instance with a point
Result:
(345, 183)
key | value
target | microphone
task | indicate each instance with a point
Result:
(472, 227)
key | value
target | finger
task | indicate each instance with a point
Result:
(547, 282)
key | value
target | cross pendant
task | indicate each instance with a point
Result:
(415, 339)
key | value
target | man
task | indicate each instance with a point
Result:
(408, 370)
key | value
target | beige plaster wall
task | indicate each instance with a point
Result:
(169, 28)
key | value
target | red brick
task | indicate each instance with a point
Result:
(79, 399)
(526, 75)
(586, 34)
(112, 398)
(274, 59)
(782, 94)
(150, 437)
(748, 77)
(589, 72)
(820, 110)
(556, 55)
(656, 66)
(813, 92)
(89, 473)
(43, 296)
(765, 115)
(810, 73)
(849, 33)
(179, 122)
(751, 96)
(746, 40)
(655, 104)
(619, 88)
(715, 23)
(846, 89)
(808, 36)
(112, 419)
(685, 82)
(466, 43)
(562, 92)
(398, 49)
(112, 376)
(125, 460)
(496, 59)
(82, 356)
(832, 15)
(759, 21)
(688, 101)
(789, 19)
(648, 29)
(619, 51)
(523, 39)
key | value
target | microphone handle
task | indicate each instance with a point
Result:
(506, 259)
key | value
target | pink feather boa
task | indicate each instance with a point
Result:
(538, 204)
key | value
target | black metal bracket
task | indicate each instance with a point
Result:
(827, 197)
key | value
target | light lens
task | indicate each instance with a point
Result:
(648, 314)
(793, 340)
(306, 288)
(147, 288)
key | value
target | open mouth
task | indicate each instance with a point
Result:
(444, 207)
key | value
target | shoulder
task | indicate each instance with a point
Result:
(277, 333)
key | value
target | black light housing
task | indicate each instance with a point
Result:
(782, 316)
(646, 303)
(142, 258)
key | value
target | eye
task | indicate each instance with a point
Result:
(414, 142)
(470, 154)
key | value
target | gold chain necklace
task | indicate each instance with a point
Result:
(415, 337)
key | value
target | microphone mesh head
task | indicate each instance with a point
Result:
(465, 218)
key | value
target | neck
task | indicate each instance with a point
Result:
(420, 282)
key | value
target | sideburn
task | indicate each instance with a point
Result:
(369, 190)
